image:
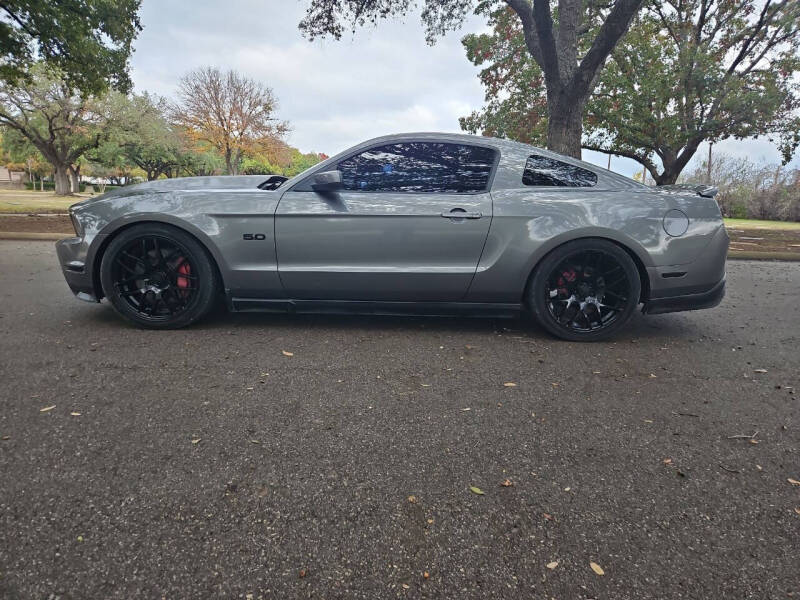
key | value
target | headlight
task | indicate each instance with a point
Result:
(76, 224)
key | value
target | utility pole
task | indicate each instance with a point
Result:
(609, 162)
(708, 174)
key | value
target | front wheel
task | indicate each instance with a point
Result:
(585, 290)
(158, 276)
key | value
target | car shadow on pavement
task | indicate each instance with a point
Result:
(639, 327)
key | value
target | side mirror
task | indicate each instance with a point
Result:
(327, 181)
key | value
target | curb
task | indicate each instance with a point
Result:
(781, 256)
(24, 235)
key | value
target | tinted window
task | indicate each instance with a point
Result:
(540, 170)
(419, 167)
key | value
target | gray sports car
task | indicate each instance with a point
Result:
(423, 223)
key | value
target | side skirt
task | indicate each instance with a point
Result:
(361, 307)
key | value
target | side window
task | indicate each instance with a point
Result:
(540, 170)
(419, 167)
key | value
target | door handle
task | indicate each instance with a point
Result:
(460, 213)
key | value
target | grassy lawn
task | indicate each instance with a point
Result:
(757, 224)
(24, 201)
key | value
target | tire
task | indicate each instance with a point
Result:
(158, 276)
(585, 290)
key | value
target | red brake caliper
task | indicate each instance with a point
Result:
(183, 269)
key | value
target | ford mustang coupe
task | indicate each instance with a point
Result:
(424, 223)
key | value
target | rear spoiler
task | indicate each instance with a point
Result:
(706, 191)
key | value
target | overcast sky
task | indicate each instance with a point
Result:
(334, 94)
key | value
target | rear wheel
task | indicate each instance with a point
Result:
(158, 276)
(585, 290)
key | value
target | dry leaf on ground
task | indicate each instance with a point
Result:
(476, 490)
(552, 565)
(286, 353)
(47, 408)
(597, 568)
(509, 384)
(793, 481)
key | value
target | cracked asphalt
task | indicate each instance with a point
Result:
(208, 463)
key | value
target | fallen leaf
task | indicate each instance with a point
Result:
(303, 573)
(425, 575)
(793, 481)
(509, 384)
(412, 499)
(667, 461)
(597, 568)
(465, 409)
(255, 441)
(285, 353)
(567, 489)
(547, 516)
(47, 408)
(653, 376)
(648, 420)
(196, 440)
(552, 565)
(430, 521)
(507, 483)
(5, 437)
(406, 586)
(75, 414)
(479, 491)
(759, 370)
(80, 538)
(797, 510)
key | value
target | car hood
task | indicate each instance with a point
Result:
(214, 182)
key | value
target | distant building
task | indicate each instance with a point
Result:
(11, 179)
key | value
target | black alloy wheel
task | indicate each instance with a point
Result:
(585, 290)
(158, 276)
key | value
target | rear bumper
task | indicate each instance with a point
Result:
(72, 257)
(707, 299)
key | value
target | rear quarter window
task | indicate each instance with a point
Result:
(544, 171)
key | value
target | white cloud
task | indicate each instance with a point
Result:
(335, 94)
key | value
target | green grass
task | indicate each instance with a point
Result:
(757, 224)
(23, 201)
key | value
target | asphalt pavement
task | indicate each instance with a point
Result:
(264, 456)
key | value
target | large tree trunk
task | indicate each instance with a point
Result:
(565, 125)
(62, 180)
(75, 179)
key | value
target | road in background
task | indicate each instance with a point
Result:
(332, 457)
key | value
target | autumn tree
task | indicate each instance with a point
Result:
(89, 41)
(59, 122)
(687, 72)
(231, 112)
(555, 35)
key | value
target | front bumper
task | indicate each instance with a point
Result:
(72, 257)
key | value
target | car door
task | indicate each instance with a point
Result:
(409, 224)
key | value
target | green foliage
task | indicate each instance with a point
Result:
(685, 73)
(87, 40)
(516, 100)
(55, 119)
(282, 160)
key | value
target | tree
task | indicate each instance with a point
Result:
(57, 121)
(147, 138)
(686, 72)
(693, 71)
(231, 112)
(554, 36)
(89, 41)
